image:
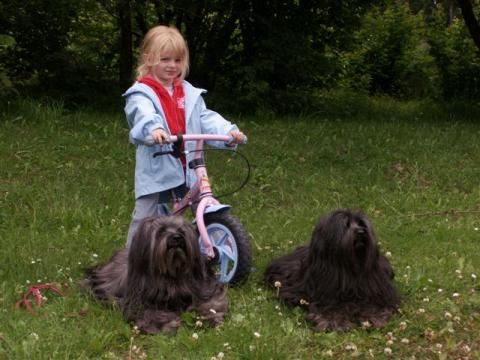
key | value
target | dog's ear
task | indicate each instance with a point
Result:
(316, 244)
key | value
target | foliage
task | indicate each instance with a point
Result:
(40, 32)
(66, 201)
(278, 70)
(391, 55)
(6, 42)
(457, 57)
(264, 57)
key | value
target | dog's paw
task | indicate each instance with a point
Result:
(331, 323)
(380, 318)
(318, 321)
(154, 322)
(213, 318)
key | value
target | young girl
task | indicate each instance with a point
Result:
(159, 104)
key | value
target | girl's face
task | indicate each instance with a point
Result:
(168, 69)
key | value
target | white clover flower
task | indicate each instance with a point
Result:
(455, 295)
(366, 324)
(256, 334)
(403, 325)
(277, 284)
(329, 353)
(421, 311)
(474, 276)
(34, 336)
(389, 342)
(405, 341)
(429, 333)
(304, 302)
(440, 290)
(198, 323)
(388, 254)
(351, 347)
(387, 351)
(195, 336)
(220, 355)
(95, 255)
(390, 336)
(426, 299)
(447, 315)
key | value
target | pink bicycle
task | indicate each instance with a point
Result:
(222, 237)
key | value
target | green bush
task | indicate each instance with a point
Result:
(390, 55)
(456, 56)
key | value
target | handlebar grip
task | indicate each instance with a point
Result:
(244, 142)
(149, 141)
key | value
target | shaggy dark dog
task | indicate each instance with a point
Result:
(341, 277)
(161, 276)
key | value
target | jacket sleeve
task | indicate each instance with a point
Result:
(142, 117)
(213, 123)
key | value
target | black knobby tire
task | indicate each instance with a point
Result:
(241, 241)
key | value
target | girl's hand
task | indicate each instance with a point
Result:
(237, 137)
(160, 136)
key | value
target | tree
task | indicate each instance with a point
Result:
(470, 20)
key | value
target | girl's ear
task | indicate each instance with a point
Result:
(146, 59)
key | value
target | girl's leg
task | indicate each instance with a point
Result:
(145, 206)
(152, 205)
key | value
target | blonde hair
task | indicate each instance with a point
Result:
(159, 40)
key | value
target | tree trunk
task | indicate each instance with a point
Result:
(450, 12)
(126, 52)
(470, 20)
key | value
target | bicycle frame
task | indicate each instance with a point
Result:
(201, 190)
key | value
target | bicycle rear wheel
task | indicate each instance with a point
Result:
(231, 244)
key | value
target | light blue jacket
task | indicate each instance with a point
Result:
(144, 114)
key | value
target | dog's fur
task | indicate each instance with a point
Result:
(162, 275)
(341, 276)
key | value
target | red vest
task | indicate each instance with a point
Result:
(173, 106)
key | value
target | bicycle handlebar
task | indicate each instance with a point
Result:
(149, 141)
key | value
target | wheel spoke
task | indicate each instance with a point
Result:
(226, 234)
(224, 267)
(222, 240)
(226, 251)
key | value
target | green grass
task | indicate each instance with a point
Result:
(66, 195)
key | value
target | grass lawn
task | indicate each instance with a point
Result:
(66, 195)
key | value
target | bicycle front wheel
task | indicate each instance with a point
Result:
(231, 244)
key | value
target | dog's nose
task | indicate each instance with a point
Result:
(174, 241)
(360, 231)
